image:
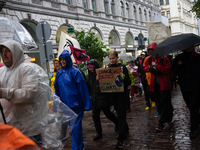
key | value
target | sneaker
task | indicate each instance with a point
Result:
(147, 108)
(119, 144)
(153, 104)
(160, 127)
(157, 115)
(127, 134)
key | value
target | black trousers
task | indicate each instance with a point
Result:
(146, 92)
(128, 103)
(96, 118)
(192, 100)
(164, 105)
(120, 107)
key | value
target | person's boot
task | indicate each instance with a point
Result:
(98, 136)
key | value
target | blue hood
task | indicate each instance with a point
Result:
(65, 54)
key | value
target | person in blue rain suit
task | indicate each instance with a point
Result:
(71, 87)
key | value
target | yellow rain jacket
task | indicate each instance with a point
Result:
(53, 77)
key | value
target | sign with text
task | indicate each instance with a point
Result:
(110, 80)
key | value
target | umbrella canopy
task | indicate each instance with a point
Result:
(176, 43)
(125, 57)
(10, 29)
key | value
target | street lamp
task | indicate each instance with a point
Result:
(70, 30)
(141, 41)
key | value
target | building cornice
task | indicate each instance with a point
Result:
(37, 9)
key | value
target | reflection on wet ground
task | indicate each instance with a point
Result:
(142, 124)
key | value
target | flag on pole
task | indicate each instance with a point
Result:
(65, 42)
(79, 55)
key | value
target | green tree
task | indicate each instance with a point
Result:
(94, 47)
(196, 8)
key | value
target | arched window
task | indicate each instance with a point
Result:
(127, 9)
(149, 16)
(31, 28)
(93, 4)
(63, 28)
(122, 8)
(140, 13)
(112, 7)
(113, 38)
(85, 4)
(106, 6)
(161, 2)
(69, 2)
(97, 33)
(145, 15)
(167, 2)
(134, 13)
(129, 39)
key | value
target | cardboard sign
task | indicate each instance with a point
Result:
(110, 80)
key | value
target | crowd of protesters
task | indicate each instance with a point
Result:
(157, 75)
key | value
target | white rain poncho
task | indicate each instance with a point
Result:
(26, 95)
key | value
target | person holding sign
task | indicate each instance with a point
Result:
(100, 101)
(118, 98)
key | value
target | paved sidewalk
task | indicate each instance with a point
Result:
(142, 124)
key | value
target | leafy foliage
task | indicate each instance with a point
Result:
(196, 8)
(92, 45)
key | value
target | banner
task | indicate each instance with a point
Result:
(110, 80)
(65, 42)
(79, 55)
(157, 32)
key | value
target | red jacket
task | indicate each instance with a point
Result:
(164, 77)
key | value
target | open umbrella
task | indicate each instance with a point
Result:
(176, 43)
(10, 29)
(125, 57)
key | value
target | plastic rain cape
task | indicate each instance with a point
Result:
(46, 115)
(10, 29)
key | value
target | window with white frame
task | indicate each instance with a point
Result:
(93, 4)
(122, 8)
(145, 15)
(69, 2)
(163, 13)
(167, 2)
(106, 6)
(161, 2)
(112, 7)
(127, 10)
(134, 13)
(149, 16)
(85, 4)
(140, 13)
(168, 14)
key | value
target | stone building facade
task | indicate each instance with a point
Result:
(121, 24)
(181, 20)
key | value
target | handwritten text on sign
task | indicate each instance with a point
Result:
(110, 79)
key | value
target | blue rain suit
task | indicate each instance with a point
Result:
(71, 87)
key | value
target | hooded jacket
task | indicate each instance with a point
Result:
(164, 68)
(52, 79)
(70, 85)
(99, 100)
(24, 92)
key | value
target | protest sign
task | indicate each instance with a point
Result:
(110, 80)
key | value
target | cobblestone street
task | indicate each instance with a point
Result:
(142, 124)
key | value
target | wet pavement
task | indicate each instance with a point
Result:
(142, 124)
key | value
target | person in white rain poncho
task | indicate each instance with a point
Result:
(23, 91)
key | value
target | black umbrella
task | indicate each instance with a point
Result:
(176, 43)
